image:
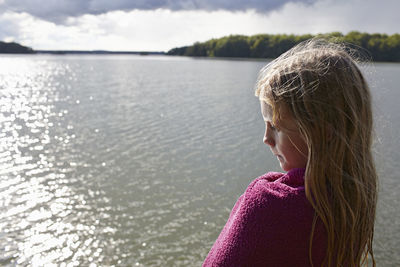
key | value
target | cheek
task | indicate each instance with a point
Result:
(295, 148)
(302, 146)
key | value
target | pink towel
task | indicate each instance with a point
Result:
(270, 225)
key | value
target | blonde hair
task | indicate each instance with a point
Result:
(323, 88)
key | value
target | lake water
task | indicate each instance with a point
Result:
(138, 160)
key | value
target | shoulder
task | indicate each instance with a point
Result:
(267, 223)
(274, 195)
(293, 178)
(276, 185)
(276, 199)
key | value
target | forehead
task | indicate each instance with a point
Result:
(266, 110)
(284, 119)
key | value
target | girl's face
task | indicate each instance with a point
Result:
(284, 140)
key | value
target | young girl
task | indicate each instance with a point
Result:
(317, 110)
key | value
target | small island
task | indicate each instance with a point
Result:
(14, 48)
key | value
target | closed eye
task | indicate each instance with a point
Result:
(274, 128)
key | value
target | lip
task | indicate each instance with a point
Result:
(275, 154)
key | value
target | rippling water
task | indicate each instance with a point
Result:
(129, 160)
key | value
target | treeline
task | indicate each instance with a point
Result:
(381, 47)
(14, 48)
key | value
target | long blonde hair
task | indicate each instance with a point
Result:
(325, 91)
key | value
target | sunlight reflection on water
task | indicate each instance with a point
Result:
(37, 201)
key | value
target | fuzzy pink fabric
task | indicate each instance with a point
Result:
(270, 225)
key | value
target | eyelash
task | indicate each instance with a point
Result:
(272, 126)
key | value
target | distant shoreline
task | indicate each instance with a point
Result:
(15, 48)
(121, 53)
(370, 47)
(98, 52)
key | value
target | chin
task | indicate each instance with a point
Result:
(287, 168)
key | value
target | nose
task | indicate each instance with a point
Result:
(268, 138)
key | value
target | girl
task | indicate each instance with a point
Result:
(317, 110)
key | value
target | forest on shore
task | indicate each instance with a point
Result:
(377, 47)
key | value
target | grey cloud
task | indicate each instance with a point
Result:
(58, 10)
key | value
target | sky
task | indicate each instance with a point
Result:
(160, 25)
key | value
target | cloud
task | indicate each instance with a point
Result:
(136, 30)
(337, 15)
(58, 10)
(163, 29)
